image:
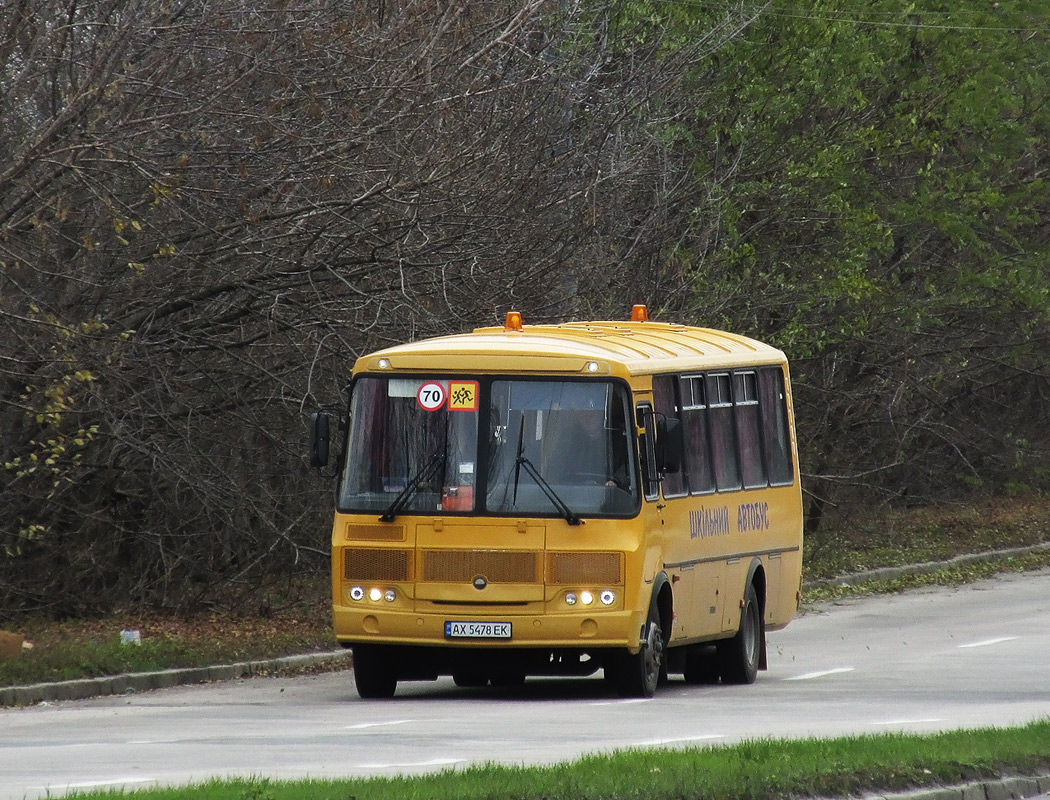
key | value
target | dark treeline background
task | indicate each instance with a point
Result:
(209, 208)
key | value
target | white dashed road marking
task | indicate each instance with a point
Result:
(363, 725)
(823, 673)
(930, 720)
(704, 737)
(434, 762)
(987, 642)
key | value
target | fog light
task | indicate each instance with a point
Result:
(570, 598)
(357, 593)
(607, 597)
(586, 598)
(375, 594)
(389, 595)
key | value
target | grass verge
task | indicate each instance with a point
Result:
(900, 537)
(72, 649)
(752, 770)
(945, 576)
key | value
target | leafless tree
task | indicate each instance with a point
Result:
(208, 210)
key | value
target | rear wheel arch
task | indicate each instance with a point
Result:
(756, 575)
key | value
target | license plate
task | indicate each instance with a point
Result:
(477, 630)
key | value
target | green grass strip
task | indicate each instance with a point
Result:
(763, 769)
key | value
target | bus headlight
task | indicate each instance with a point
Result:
(390, 595)
(586, 597)
(357, 593)
(375, 594)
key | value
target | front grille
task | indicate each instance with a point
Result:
(498, 566)
(594, 569)
(376, 533)
(373, 564)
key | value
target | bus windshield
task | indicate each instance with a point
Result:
(549, 448)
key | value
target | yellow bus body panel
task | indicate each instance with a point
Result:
(427, 560)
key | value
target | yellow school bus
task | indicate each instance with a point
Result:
(562, 499)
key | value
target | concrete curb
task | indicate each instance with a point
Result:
(889, 573)
(1012, 788)
(163, 679)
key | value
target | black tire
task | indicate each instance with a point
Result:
(738, 657)
(508, 680)
(470, 678)
(638, 675)
(374, 673)
(701, 665)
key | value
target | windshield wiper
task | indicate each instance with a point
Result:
(418, 481)
(522, 461)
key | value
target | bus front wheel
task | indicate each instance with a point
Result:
(738, 657)
(637, 675)
(373, 673)
(470, 678)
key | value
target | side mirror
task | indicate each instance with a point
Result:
(669, 445)
(319, 438)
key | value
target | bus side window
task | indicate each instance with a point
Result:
(667, 407)
(745, 404)
(723, 437)
(776, 442)
(697, 439)
(647, 444)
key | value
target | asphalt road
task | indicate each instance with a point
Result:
(926, 661)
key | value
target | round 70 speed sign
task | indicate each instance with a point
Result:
(431, 396)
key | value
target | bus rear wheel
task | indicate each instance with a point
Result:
(738, 657)
(374, 673)
(638, 675)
